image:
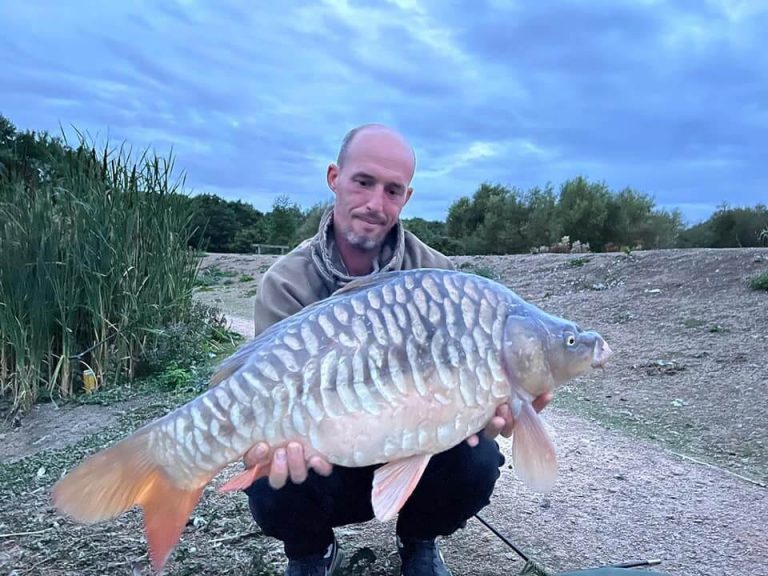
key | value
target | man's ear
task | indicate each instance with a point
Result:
(408, 194)
(332, 175)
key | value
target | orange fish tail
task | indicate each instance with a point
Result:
(120, 477)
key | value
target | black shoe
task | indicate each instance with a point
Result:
(421, 558)
(316, 564)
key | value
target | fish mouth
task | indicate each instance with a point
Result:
(601, 354)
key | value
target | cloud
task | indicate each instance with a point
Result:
(666, 97)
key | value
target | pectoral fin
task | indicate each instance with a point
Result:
(244, 479)
(394, 482)
(533, 453)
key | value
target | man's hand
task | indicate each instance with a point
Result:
(286, 462)
(503, 422)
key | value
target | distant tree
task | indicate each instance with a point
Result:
(214, 223)
(7, 137)
(311, 221)
(434, 233)
(466, 215)
(424, 229)
(697, 236)
(283, 221)
(542, 226)
(503, 229)
(489, 223)
(629, 216)
(246, 215)
(583, 211)
(458, 224)
(661, 229)
(738, 227)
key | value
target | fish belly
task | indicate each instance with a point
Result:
(417, 426)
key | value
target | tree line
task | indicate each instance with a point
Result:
(500, 220)
(495, 219)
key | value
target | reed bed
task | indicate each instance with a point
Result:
(94, 261)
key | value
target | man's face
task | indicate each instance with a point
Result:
(371, 187)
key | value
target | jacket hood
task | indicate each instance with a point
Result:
(328, 260)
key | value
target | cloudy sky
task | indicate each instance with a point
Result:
(669, 98)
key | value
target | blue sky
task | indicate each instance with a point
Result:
(669, 98)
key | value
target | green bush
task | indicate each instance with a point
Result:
(184, 343)
(759, 282)
(479, 270)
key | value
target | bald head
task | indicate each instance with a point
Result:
(376, 134)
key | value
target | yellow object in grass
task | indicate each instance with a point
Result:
(89, 380)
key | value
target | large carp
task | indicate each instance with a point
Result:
(391, 369)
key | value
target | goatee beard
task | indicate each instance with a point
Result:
(362, 243)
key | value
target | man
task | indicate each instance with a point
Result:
(301, 502)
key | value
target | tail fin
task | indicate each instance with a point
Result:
(120, 477)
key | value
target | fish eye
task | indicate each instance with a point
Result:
(570, 339)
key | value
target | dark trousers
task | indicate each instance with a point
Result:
(456, 484)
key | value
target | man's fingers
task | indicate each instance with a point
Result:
(297, 467)
(278, 473)
(321, 465)
(504, 423)
(505, 413)
(494, 427)
(258, 454)
(287, 462)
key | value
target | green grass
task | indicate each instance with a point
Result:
(213, 276)
(577, 262)
(94, 263)
(759, 282)
(479, 270)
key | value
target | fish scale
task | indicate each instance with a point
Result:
(389, 370)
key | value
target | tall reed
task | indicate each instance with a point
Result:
(94, 259)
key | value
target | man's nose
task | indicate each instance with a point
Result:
(376, 199)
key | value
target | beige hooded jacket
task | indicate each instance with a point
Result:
(314, 270)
